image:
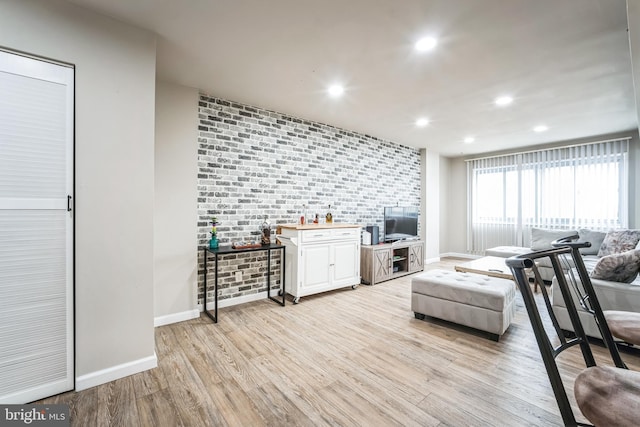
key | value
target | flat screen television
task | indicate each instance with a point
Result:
(400, 223)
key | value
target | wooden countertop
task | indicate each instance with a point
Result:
(317, 226)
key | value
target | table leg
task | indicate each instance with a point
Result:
(269, 278)
(204, 257)
(215, 316)
(215, 290)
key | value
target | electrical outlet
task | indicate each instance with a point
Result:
(238, 276)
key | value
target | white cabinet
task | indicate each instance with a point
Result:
(320, 258)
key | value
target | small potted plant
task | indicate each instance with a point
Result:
(213, 243)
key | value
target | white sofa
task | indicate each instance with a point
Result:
(540, 240)
(612, 294)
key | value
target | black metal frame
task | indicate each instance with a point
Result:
(589, 301)
(227, 250)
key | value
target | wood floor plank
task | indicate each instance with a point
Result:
(227, 360)
(118, 399)
(276, 408)
(296, 390)
(149, 382)
(234, 405)
(157, 409)
(192, 403)
(346, 357)
(397, 408)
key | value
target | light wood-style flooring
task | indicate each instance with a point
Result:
(344, 358)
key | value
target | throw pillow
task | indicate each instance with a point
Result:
(541, 238)
(594, 237)
(618, 241)
(621, 267)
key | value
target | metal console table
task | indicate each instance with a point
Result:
(227, 250)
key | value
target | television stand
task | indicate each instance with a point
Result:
(387, 261)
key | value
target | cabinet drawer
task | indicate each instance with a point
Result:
(346, 233)
(316, 235)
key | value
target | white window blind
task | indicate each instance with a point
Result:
(36, 230)
(580, 186)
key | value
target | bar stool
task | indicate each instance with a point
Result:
(624, 325)
(606, 396)
(609, 396)
(596, 387)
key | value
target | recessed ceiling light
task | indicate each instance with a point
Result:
(540, 128)
(426, 44)
(503, 100)
(336, 91)
(422, 122)
(469, 140)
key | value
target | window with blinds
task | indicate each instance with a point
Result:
(581, 186)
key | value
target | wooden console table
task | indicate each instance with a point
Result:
(227, 250)
(390, 260)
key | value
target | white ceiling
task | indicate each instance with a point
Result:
(565, 62)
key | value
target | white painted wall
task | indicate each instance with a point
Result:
(633, 23)
(445, 194)
(633, 18)
(430, 203)
(115, 99)
(175, 234)
(456, 207)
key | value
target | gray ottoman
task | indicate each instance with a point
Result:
(473, 300)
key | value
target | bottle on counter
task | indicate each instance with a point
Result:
(266, 232)
(329, 216)
(317, 220)
(303, 215)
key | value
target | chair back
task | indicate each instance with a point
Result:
(567, 263)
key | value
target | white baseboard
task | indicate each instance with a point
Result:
(176, 317)
(238, 300)
(459, 255)
(93, 379)
(195, 313)
(431, 260)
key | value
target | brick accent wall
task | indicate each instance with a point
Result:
(254, 162)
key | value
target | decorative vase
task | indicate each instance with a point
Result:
(265, 230)
(213, 243)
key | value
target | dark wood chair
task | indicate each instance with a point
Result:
(606, 395)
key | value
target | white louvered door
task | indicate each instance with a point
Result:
(36, 228)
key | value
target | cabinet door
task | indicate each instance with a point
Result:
(416, 258)
(381, 265)
(315, 271)
(345, 264)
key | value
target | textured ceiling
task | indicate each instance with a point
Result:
(565, 62)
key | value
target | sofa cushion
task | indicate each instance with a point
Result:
(621, 267)
(541, 238)
(594, 237)
(611, 295)
(618, 241)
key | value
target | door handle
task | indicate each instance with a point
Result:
(69, 208)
